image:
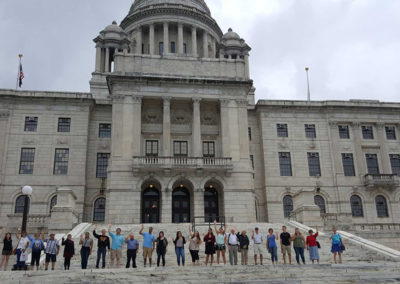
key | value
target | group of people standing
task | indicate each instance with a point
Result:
(218, 243)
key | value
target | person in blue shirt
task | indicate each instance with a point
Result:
(148, 244)
(133, 249)
(271, 246)
(116, 247)
(337, 245)
(36, 246)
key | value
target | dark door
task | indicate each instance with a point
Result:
(151, 206)
(181, 205)
(211, 209)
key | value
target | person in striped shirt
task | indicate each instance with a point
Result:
(52, 249)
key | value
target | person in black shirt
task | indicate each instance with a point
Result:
(7, 250)
(244, 247)
(285, 245)
(103, 245)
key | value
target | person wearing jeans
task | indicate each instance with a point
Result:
(180, 248)
(271, 246)
(299, 244)
(86, 250)
(133, 248)
(103, 245)
(22, 246)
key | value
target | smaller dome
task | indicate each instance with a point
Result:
(231, 35)
(114, 28)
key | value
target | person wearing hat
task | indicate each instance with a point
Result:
(258, 240)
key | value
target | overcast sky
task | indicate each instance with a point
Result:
(351, 46)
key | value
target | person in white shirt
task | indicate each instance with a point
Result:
(23, 245)
(233, 246)
(258, 240)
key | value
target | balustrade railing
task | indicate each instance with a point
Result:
(177, 162)
(381, 180)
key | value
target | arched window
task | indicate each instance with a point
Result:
(320, 201)
(20, 203)
(381, 206)
(356, 206)
(53, 202)
(99, 212)
(287, 206)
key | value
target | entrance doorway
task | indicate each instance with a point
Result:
(211, 207)
(150, 205)
(180, 205)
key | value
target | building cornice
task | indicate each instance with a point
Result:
(45, 94)
(365, 104)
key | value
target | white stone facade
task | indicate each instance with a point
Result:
(187, 139)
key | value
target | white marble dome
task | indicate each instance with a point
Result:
(198, 4)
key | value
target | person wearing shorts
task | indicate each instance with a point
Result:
(258, 240)
(148, 245)
(52, 249)
(116, 247)
(286, 248)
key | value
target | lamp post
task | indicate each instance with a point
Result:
(27, 191)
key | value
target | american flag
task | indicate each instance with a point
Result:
(21, 75)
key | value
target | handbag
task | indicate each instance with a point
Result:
(343, 247)
(319, 245)
(15, 249)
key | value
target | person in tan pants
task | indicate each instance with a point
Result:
(244, 248)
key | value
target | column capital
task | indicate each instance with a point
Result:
(137, 99)
(196, 100)
(242, 102)
(333, 124)
(224, 102)
(380, 125)
(356, 124)
(167, 100)
(194, 29)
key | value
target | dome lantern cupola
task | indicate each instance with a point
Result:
(110, 40)
(232, 46)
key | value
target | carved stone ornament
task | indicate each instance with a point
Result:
(152, 116)
(209, 118)
(180, 116)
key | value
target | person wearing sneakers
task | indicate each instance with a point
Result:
(258, 240)
(116, 246)
(148, 245)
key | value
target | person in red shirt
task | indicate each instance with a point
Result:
(312, 245)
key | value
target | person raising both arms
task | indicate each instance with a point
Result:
(220, 242)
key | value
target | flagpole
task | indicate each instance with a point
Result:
(308, 85)
(19, 71)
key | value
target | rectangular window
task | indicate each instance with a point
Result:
(185, 48)
(105, 130)
(102, 165)
(208, 149)
(173, 48)
(151, 148)
(348, 165)
(310, 130)
(367, 132)
(249, 130)
(344, 132)
(390, 132)
(161, 48)
(64, 124)
(282, 130)
(252, 162)
(142, 48)
(314, 167)
(372, 164)
(180, 148)
(285, 164)
(395, 162)
(61, 158)
(31, 124)
(27, 160)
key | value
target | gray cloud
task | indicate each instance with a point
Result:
(351, 46)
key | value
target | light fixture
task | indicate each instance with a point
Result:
(151, 186)
(181, 185)
(211, 186)
(27, 190)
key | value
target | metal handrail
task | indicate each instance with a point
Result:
(220, 220)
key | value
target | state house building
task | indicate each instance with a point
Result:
(171, 131)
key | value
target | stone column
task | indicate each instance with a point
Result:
(243, 129)
(117, 124)
(107, 61)
(151, 39)
(360, 157)
(213, 47)
(247, 66)
(386, 167)
(166, 38)
(198, 203)
(196, 129)
(180, 38)
(166, 206)
(205, 44)
(225, 133)
(136, 122)
(98, 59)
(167, 127)
(194, 41)
(139, 41)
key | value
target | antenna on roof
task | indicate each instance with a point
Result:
(308, 85)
